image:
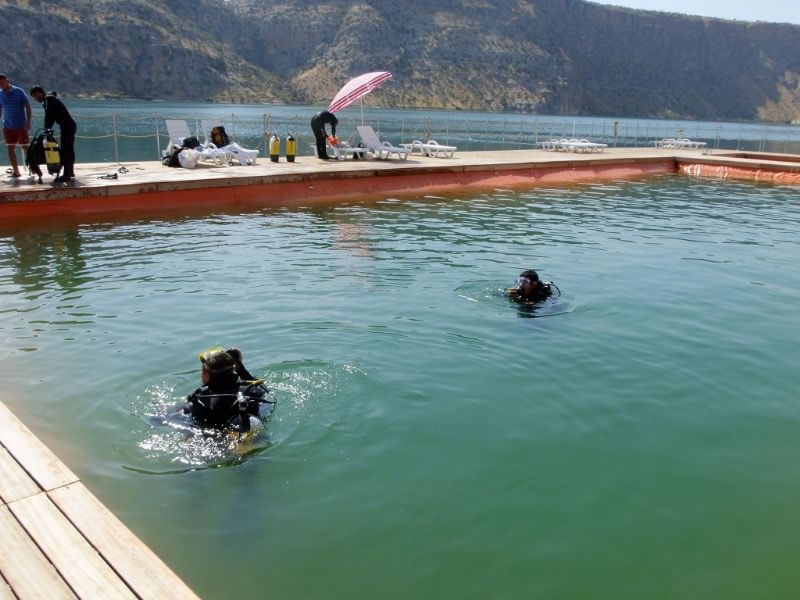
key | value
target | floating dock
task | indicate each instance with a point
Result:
(58, 541)
(150, 186)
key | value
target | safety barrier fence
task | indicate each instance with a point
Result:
(118, 137)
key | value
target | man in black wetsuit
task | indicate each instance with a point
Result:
(218, 402)
(318, 122)
(529, 288)
(56, 112)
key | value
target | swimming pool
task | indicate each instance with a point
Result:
(430, 439)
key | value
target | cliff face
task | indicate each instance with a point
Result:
(551, 56)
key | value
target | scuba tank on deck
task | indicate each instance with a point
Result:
(291, 148)
(52, 153)
(274, 147)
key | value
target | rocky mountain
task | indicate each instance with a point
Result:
(548, 56)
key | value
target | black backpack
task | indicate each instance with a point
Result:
(36, 151)
(218, 136)
(191, 142)
(172, 159)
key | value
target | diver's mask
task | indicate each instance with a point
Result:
(206, 354)
(216, 360)
(520, 281)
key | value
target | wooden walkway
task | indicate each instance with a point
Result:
(58, 541)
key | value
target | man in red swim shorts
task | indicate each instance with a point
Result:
(16, 111)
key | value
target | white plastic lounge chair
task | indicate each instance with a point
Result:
(341, 151)
(687, 143)
(561, 144)
(178, 130)
(243, 155)
(667, 143)
(378, 148)
(582, 145)
(679, 143)
(430, 148)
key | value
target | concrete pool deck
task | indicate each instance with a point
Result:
(58, 540)
(150, 186)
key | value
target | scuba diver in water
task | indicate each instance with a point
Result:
(529, 289)
(230, 397)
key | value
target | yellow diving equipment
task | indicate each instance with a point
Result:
(291, 148)
(274, 147)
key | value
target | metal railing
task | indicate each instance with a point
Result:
(117, 137)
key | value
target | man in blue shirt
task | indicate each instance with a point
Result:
(16, 112)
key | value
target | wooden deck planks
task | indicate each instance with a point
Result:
(58, 541)
(24, 567)
(40, 463)
(5, 591)
(79, 564)
(141, 569)
(15, 483)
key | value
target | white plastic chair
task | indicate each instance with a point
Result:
(378, 148)
(341, 151)
(687, 143)
(178, 130)
(666, 143)
(430, 148)
(243, 155)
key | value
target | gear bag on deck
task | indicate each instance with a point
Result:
(43, 149)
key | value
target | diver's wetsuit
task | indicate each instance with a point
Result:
(221, 408)
(318, 122)
(56, 112)
(542, 292)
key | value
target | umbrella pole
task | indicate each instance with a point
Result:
(362, 109)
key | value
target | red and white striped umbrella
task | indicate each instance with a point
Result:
(357, 88)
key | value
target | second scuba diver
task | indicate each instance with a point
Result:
(230, 397)
(528, 288)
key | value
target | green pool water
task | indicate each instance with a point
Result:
(637, 437)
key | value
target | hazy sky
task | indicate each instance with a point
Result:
(779, 11)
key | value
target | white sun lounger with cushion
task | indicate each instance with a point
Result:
(430, 148)
(243, 155)
(583, 145)
(679, 143)
(687, 143)
(378, 148)
(551, 144)
(341, 151)
(178, 131)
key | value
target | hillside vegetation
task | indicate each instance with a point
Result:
(549, 56)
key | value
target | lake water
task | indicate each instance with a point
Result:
(636, 437)
(135, 130)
